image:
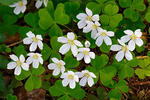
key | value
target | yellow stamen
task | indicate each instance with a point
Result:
(85, 52)
(71, 77)
(59, 65)
(94, 26)
(124, 48)
(20, 3)
(35, 39)
(103, 34)
(71, 42)
(89, 18)
(87, 75)
(19, 63)
(133, 37)
(35, 56)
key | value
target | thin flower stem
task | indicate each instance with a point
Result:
(67, 27)
(13, 44)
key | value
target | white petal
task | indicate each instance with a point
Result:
(115, 47)
(99, 41)
(24, 2)
(76, 78)
(38, 4)
(121, 42)
(97, 23)
(74, 50)
(62, 39)
(79, 74)
(92, 55)
(17, 70)
(40, 44)
(51, 66)
(94, 34)
(30, 34)
(81, 24)
(55, 60)
(64, 75)
(78, 43)
(72, 84)
(27, 41)
(11, 65)
(90, 81)
(70, 35)
(39, 37)
(29, 60)
(62, 69)
(56, 71)
(25, 66)
(13, 5)
(107, 40)
(89, 12)
(40, 60)
(45, 3)
(35, 64)
(119, 56)
(23, 9)
(125, 38)
(138, 33)
(64, 49)
(81, 16)
(83, 81)
(110, 33)
(128, 32)
(87, 29)
(65, 82)
(80, 56)
(139, 42)
(63, 63)
(33, 46)
(14, 57)
(87, 59)
(92, 75)
(128, 55)
(22, 59)
(95, 18)
(131, 45)
(17, 10)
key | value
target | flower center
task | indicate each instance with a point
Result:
(89, 18)
(85, 52)
(103, 34)
(19, 63)
(59, 65)
(35, 39)
(20, 3)
(71, 42)
(71, 77)
(133, 37)
(124, 48)
(87, 75)
(35, 56)
(94, 26)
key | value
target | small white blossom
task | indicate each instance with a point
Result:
(87, 44)
(123, 49)
(69, 78)
(17, 63)
(104, 35)
(86, 77)
(57, 66)
(86, 54)
(20, 6)
(133, 38)
(94, 27)
(35, 59)
(86, 18)
(39, 3)
(35, 41)
(69, 42)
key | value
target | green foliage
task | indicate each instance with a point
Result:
(8, 2)
(55, 44)
(38, 71)
(46, 52)
(11, 97)
(20, 50)
(95, 7)
(65, 93)
(3, 62)
(24, 74)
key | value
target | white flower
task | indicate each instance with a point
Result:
(34, 41)
(86, 77)
(34, 58)
(123, 49)
(133, 38)
(39, 3)
(104, 35)
(20, 6)
(17, 64)
(87, 44)
(69, 78)
(69, 42)
(94, 27)
(86, 54)
(86, 18)
(57, 66)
